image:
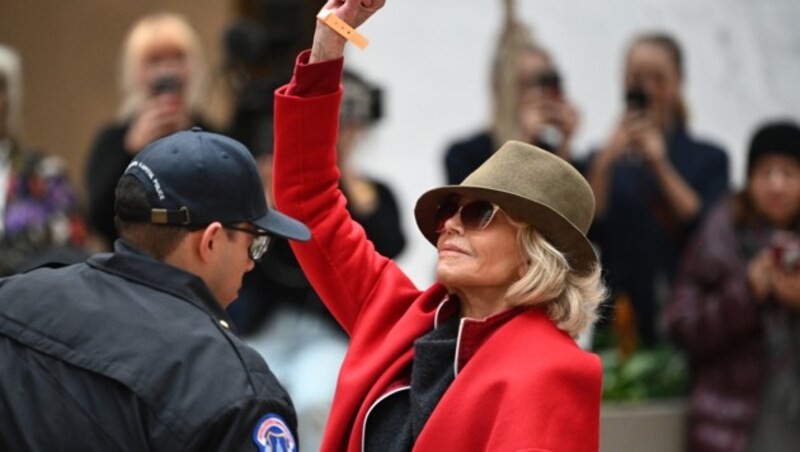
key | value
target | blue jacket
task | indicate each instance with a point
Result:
(640, 238)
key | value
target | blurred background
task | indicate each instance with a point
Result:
(433, 60)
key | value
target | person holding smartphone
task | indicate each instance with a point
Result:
(735, 310)
(485, 358)
(530, 105)
(653, 182)
(162, 81)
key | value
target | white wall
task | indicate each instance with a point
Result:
(432, 57)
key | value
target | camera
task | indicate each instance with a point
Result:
(550, 82)
(167, 83)
(636, 99)
(785, 249)
(362, 102)
(550, 137)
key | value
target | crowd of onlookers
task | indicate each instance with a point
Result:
(715, 273)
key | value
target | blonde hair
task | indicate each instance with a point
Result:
(11, 71)
(571, 298)
(146, 32)
(516, 40)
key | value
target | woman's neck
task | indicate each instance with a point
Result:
(480, 303)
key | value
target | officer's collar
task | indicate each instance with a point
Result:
(132, 264)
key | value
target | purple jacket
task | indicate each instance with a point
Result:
(715, 320)
(41, 210)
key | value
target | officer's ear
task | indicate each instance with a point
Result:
(209, 242)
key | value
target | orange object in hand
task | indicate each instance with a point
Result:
(339, 26)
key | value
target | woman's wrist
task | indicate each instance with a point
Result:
(659, 164)
(328, 45)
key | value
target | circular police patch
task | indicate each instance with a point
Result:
(273, 435)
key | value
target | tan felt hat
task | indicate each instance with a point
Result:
(531, 185)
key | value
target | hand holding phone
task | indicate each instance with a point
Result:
(636, 99)
(785, 249)
(550, 81)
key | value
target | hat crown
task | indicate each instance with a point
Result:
(212, 177)
(534, 174)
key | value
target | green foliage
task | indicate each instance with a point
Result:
(655, 373)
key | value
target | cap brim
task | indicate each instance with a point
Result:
(284, 226)
(564, 235)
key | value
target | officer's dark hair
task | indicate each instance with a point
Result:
(155, 239)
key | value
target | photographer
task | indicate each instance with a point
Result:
(736, 303)
(529, 104)
(653, 182)
(162, 80)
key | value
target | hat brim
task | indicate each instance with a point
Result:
(284, 226)
(559, 231)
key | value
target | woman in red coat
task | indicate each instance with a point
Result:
(485, 359)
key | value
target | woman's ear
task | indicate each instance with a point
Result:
(524, 267)
(209, 241)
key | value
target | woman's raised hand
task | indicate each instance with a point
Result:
(328, 44)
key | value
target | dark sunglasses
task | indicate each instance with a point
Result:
(475, 215)
(258, 247)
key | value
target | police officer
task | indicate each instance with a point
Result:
(132, 350)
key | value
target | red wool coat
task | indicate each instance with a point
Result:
(524, 385)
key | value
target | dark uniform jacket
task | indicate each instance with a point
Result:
(124, 352)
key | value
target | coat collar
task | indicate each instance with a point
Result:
(472, 333)
(132, 264)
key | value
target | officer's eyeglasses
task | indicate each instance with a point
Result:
(258, 246)
(475, 215)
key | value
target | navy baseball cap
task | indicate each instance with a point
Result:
(194, 178)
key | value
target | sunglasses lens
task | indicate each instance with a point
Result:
(259, 247)
(444, 212)
(477, 214)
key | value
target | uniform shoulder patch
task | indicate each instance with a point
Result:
(273, 435)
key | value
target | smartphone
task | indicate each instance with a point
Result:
(550, 82)
(785, 249)
(168, 83)
(636, 99)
